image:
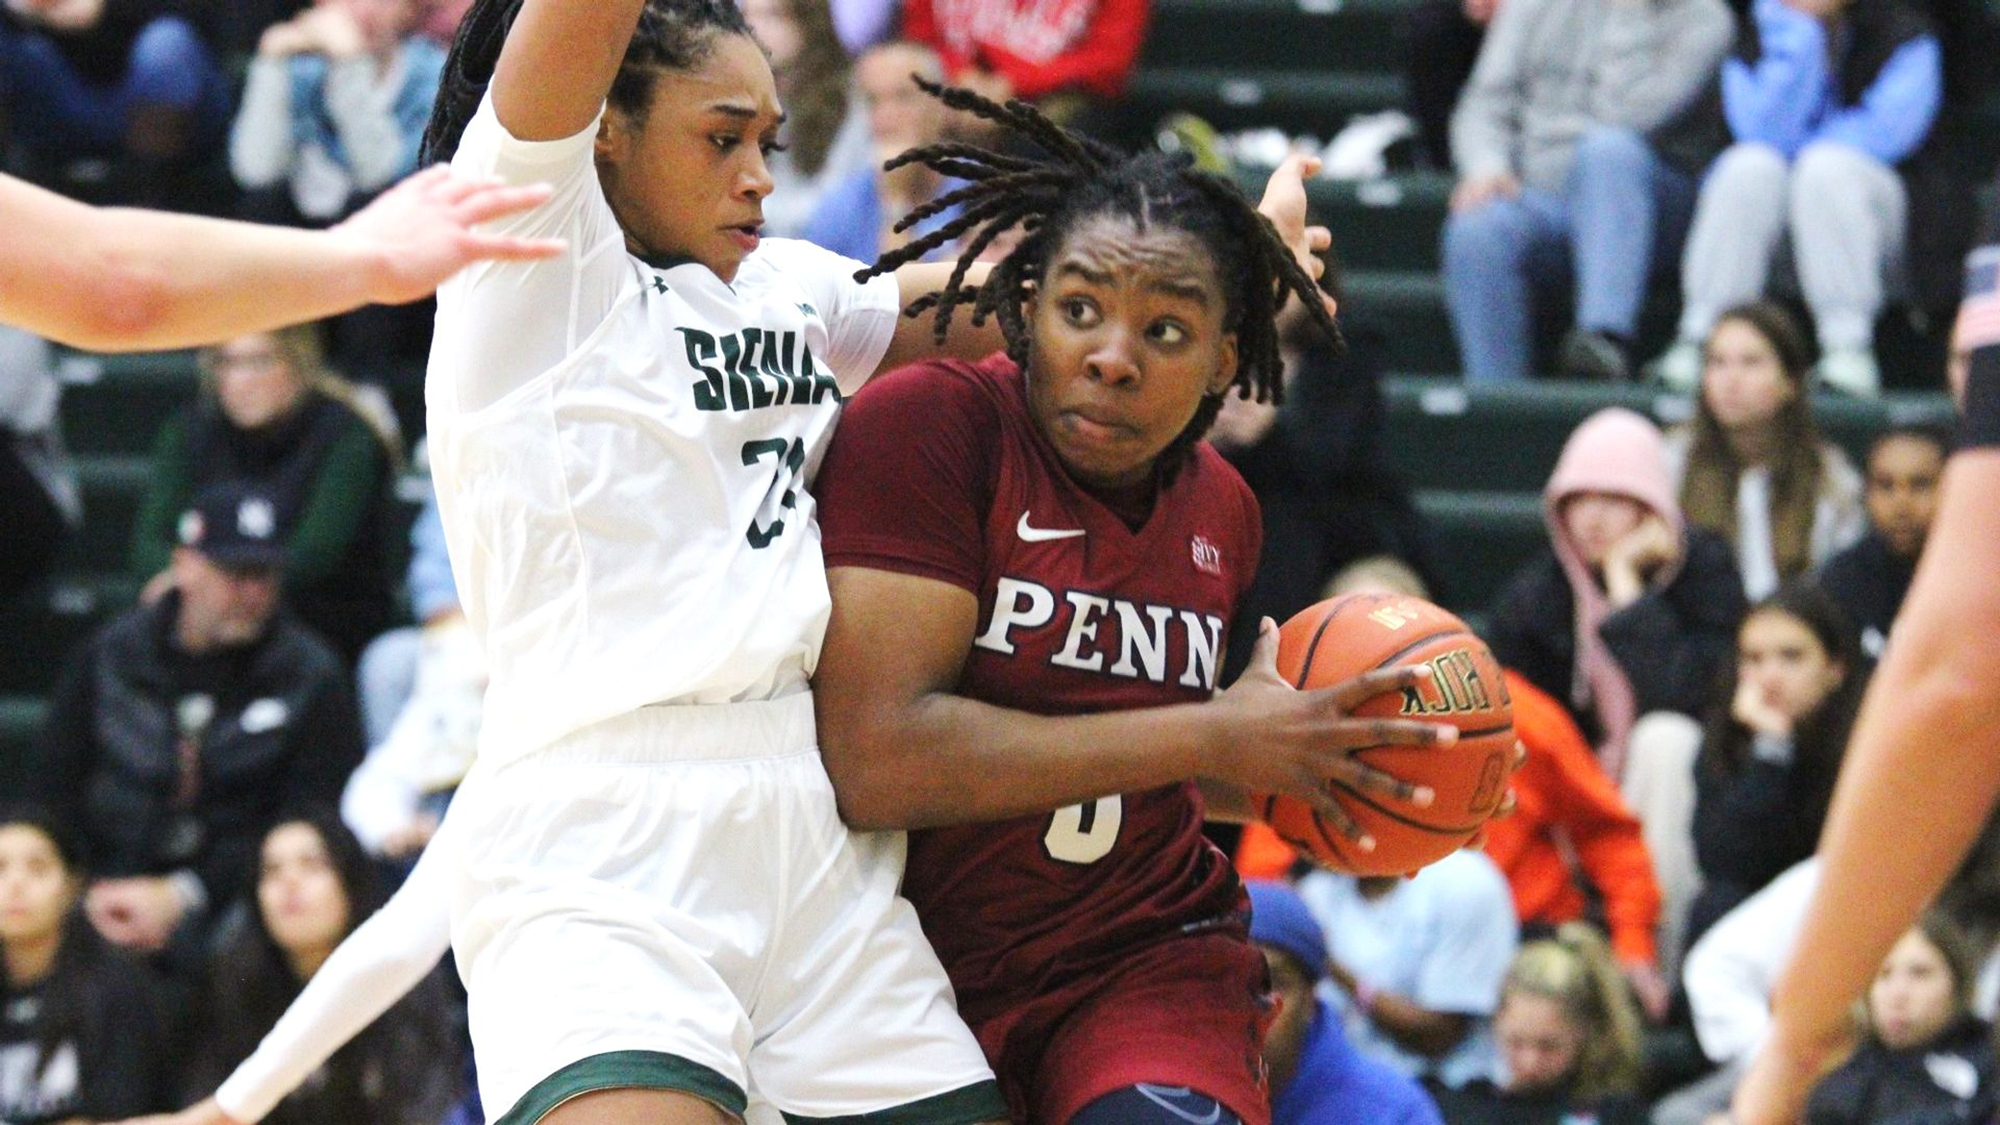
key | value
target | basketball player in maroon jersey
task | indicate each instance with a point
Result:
(1032, 560)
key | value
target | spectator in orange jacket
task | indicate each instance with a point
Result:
(1031, 49)
(1566, 806)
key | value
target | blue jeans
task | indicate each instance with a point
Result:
(1621, 210)
(56, 112)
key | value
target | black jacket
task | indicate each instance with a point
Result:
(1326, 490)
(1482, 1103)
(1671, 642)
(282, 730)
(1948, 1080)
(1868, 581)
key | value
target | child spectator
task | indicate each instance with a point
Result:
(82, 1033)
(1033, 49)
(857, 214)
(334, 107)
(1772, 748)
(1925, 1057)
(1752, 467)
(313, 886)
(1569, 148)
(826, 135)
(1418, 962)
(1316, 1078)
(1569, 1037)
(1572, 838)
(129, 81)
(1825, 99)
(271, 415)
(1628, 612)
(1868, 580)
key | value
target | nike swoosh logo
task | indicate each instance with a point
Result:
(1161, 1095)
(1042, 534)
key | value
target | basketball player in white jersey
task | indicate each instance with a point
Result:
(118, 279)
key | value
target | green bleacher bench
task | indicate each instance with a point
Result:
(43, 628)
(1316, 102)
(1481, 538)
(1404, 311)
(1444, 434)
(114, 486)
(1294, 34)
(20, 725)
(115, 404)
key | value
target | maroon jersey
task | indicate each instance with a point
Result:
(938, 471)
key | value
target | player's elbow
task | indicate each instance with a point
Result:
(869, 788)
(128, 309)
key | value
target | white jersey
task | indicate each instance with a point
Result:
(622, 452)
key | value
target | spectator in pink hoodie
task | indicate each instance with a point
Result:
(1631, 613)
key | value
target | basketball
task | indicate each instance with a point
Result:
(1341, 638)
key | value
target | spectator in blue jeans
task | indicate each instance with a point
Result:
(1574, 144)
(1825, 101)
(109, 79)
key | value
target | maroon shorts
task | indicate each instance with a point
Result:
(1189, 1011)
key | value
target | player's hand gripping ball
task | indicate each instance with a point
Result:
(1339, 639)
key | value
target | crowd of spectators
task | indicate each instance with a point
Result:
(236, 768)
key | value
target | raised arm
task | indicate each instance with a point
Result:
(127, 280)
(557, 66)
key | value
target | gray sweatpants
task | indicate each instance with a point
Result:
(1843, 213)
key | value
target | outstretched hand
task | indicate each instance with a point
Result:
(1284, 203)
(421, 231)
(1300, 743)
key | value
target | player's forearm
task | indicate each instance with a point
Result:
(944, 759)
(1428, 1033)
(558, 64)
(151, 292)
(1923, 745)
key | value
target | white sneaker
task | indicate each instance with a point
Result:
(1679, 367)
(1850, 371)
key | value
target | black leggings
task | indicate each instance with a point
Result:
(1147, 1104)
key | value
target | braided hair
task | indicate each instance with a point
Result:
(672, 35)
(1083, 179)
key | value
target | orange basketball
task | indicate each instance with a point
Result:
(1339, 639)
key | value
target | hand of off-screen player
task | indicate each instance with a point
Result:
(421, 231)
(206, 1113)
(1278, 739)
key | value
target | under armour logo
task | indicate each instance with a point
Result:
(659, 284)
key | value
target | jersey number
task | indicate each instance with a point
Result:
(1084, 833)
(789, 459)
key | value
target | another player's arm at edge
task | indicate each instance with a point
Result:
(1921, 776)
(118, 279)
(904, 751)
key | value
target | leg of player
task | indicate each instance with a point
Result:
(1148, 1104)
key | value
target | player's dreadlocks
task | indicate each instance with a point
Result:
(1084, 179)
(672, 35)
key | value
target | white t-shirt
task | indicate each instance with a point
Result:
(1442, 940)
(622, 452)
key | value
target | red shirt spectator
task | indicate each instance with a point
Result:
(1036, 47)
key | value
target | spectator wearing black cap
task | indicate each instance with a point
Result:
(1316, 1078)
(185, 725)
